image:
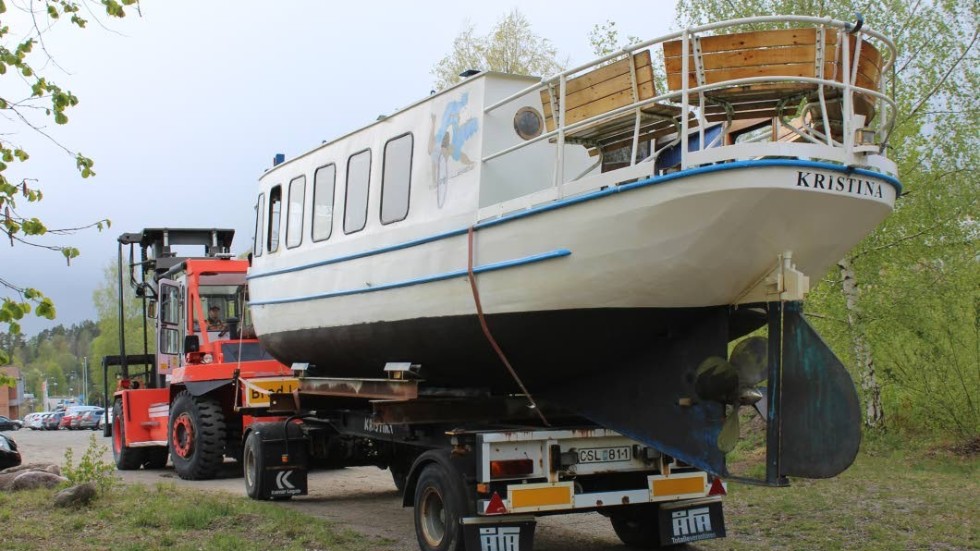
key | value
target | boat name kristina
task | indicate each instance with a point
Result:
(836, 182)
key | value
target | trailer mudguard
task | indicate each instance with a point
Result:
(276, 460)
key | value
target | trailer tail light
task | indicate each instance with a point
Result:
(511, 468)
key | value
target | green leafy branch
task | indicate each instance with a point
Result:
(43, 99)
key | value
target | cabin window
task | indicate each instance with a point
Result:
(294, 216)
(396, 179)
(324, 181)
(358, 177)
(275, 209)
(170, 319)
(259, 212)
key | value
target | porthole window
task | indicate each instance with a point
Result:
(528, 123)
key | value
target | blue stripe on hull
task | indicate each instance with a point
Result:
(557, 253)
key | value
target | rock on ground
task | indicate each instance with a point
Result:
(46, 467)
(76, 495)
(30, 480)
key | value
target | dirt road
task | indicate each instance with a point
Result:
(360, 498)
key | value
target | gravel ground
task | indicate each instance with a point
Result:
(360, 498)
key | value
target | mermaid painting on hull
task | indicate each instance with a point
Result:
(446, 145)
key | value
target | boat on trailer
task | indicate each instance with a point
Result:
(598, 233)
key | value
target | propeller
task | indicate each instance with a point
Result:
(733, 383)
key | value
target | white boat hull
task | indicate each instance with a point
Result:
(654, 253)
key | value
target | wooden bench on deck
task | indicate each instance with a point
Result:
(772, 53)
(604, 89)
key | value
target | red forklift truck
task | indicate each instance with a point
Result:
(193, 396)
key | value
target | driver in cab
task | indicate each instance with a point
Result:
(215, 323)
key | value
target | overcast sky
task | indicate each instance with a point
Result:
(183, 108)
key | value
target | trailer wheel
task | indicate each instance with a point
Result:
(127, 459)
(197, 433)
(439, 505)
(637, 526)
(253, 467)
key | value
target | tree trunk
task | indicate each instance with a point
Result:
(874, 414)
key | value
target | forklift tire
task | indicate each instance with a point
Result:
(155, 458)
(127, 459)
(440, 503)
(196, 436)
(637, 526)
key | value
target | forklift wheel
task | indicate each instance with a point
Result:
(127, 459)
(197, 433)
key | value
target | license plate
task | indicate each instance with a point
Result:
(605, 455)
(690, 521)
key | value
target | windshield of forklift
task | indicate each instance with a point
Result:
(221, 301)
(244, 352)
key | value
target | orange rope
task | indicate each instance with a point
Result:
(486, 329)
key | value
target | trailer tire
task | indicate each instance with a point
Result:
(127, 459)
(196, 436)
(253, 467)
(440, 503)
(637, 526)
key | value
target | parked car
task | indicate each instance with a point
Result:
(9, 424)
(90, 419)
(33, 420)
(52, 421)
(74, 416)
(9, 456)
(102, 418)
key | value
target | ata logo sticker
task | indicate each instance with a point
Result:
(504, 538)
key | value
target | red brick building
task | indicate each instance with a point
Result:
(12, 397)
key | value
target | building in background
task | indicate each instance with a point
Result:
(12, 397)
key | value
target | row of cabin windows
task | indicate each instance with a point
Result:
(396, 179)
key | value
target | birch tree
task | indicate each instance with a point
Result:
(510, 47)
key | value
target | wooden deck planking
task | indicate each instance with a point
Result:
(602, 90)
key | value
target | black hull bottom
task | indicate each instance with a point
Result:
(545, 348)
(632, 371)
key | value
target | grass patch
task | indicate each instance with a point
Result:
(908, 499)
(162, 517)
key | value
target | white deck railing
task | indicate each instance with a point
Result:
(824, 125)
